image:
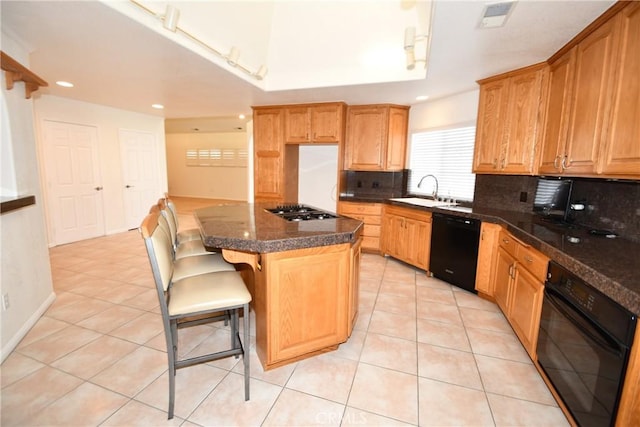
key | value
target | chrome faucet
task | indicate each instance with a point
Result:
(435, 191)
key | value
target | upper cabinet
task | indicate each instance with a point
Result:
(621, 153)
(315, 123)
(579, 108)
(509, 121)
(592, 123)
(376, 137)
(275, 164)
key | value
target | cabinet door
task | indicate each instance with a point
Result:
(621, 155)
(522, 130)
(326, 123)
(490, 126)
(268, 154)
(417, 242)
(556, 122)
(590, 104)
(366, 133)
(354, 285)
(297, 125)
(503, 278)
(397, 139)
(526, 306)
(394, 233)
(486, 257)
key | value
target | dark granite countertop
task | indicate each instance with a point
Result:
(250, 228)
(609, 265)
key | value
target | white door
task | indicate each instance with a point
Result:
(74, 183)
(140, 174)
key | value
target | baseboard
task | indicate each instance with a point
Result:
(24, 330)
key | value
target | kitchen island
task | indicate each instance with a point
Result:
(302, 275)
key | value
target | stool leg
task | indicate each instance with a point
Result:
(172, 354)
(245, 354)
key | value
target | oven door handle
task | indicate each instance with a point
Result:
(582, 323)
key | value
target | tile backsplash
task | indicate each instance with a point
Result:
(614, 205)
(376, 185)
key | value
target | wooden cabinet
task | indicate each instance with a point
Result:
(510, 121)
(406, 235)
(371, 215)
(315, 123)
(376, 137)
(302, 302)
(275, 165)
(520, 272)
(621, 152)
(354, 285)
(489, 234)
(579, 105)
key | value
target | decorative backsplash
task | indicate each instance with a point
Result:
(374, 185)
(613, 205)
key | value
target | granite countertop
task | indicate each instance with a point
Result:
(610, 265)
(249, 227)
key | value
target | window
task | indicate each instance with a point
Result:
(229, 157)
(448, 155)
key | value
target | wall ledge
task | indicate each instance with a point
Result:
(9, 204)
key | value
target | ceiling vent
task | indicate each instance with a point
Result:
(496, 14)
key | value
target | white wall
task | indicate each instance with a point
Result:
(318, 175)
(210, 182)
(26, 271)
(108, 121)
(456, 109)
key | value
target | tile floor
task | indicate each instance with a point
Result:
(423, 353)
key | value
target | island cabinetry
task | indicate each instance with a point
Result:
(315, 123)
(275, 164)
(621, 154)
(371, 215)
(520, 272)
(406, 235)
(354, 285)
(302, 302)
(579, 103)
(376, 137)
(487, 253)
(510, 121)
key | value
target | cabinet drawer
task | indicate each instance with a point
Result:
(371, 243)
(508, 243)
(367, 219)
(347, 208)
(371, 231)
(533, 261)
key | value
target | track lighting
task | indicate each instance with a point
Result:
(410, 39)
(170, 22)
(170, 18)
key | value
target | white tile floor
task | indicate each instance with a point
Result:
(423, 353)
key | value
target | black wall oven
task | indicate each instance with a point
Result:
(583, 347)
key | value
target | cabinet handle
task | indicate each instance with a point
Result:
(565, 163)
(502, 163)
(528, 259)
(495, 163)
(511, 270)
(505, 241)
(556, 163)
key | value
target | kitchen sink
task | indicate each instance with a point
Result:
(428, 203)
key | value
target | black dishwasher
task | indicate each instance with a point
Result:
(454, 250)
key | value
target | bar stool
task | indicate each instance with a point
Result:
(183, 235)
(194, 301)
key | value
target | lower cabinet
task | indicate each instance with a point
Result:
(518, 287)
(371, 215)
(485, 270)
(406, 235)
(354, 285)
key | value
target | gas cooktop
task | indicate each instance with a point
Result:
(300, 213)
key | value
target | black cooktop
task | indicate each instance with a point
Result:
(300, 213)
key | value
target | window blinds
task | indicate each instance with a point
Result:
(447, 154)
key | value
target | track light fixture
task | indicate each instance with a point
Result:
(170, 22)
(170, 18)
(410, 39)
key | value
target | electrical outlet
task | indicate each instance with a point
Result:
(5, 301)
(523, 196)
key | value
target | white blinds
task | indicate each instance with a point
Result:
(447, 154)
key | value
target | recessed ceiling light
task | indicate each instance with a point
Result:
(241, 116)
(422, 97)
(157, 106)
(64, 84)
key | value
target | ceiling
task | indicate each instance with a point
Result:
(130, 62)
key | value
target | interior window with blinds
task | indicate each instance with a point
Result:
(448, 155)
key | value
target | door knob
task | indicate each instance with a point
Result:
(128, 186)
(98, 188)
